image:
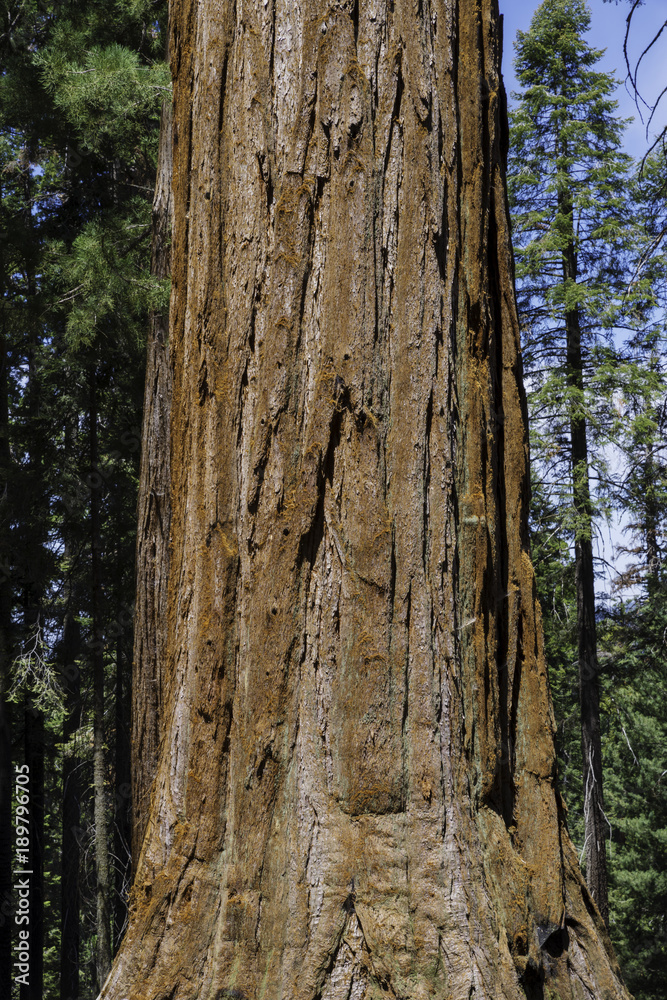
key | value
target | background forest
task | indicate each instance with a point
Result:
(81, 93)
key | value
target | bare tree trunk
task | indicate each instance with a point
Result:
(122, 812)
(33, 593)
(589, 687)
(152, 560)
(71, 811)
(34, 758)
(102, 876)
(652, 475)
(355, 790)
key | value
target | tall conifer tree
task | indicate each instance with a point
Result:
(567, 178)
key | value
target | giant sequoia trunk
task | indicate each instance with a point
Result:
(354, 794)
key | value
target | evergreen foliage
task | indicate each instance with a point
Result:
(80, 100)
(635, 755)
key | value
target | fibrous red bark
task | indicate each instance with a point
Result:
(355, 794)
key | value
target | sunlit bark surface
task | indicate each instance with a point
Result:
(354, 796)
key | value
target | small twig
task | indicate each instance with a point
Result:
(629, 747)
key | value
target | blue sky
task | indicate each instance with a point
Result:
(607, 32)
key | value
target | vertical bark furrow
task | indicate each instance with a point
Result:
(153, 515)
(355, 794)
(68, 654)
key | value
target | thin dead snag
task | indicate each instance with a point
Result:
(355, 791)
